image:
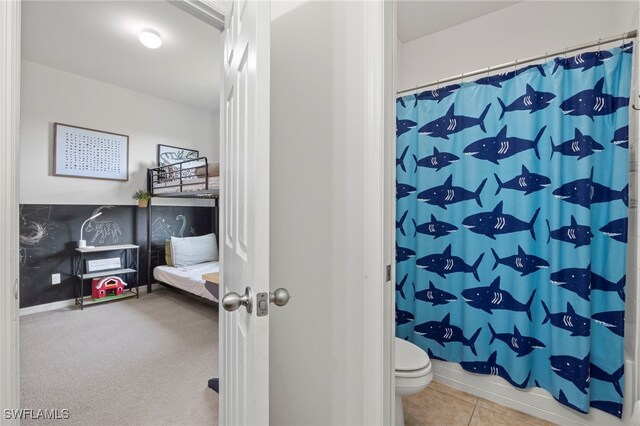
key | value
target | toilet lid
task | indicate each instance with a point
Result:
(409, 357)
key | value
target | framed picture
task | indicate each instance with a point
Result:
(88, 153)
(168, 155)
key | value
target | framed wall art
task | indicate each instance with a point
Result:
(88, 153)
(168, 155)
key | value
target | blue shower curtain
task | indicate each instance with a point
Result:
(512, 195)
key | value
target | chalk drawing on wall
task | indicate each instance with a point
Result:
(31, 232)
(103, 230)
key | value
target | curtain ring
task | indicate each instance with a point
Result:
(565, 52)
(438, 84)
(599, 46)
(515, 66)
(462, 76)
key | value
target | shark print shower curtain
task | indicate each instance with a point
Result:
(512, 196)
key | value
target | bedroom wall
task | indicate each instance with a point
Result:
(520, 31)
(48, 234)
(50, 95)
(52, 208)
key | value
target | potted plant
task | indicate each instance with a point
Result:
(143, 196)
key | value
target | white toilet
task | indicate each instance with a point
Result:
(413, 373)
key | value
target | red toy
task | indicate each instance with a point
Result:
(103, 287)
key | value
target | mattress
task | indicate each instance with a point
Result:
(188, 185)
(188, 278)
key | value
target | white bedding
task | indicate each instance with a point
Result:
(188, 278)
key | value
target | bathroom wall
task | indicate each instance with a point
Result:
(520, 31)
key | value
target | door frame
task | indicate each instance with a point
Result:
(378, 387)
(10, 57)
(378, 358)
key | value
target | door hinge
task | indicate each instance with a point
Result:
(388, 273)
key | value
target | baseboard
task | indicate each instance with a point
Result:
(535, 401)
(62, 304)
(47, 307)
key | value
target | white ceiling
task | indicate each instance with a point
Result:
(417, 19)
(99, 40)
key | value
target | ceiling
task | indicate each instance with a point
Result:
(417, 19)
(99, 40)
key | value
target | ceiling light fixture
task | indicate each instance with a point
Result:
(150, 39)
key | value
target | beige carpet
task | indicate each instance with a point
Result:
(132, 362)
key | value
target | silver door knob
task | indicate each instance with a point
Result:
(232, 301)
(279, 297)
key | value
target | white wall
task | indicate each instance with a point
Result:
(50, 95)
(316, 213)
(526, 29)
(529, 29)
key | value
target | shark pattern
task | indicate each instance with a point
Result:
(600, 283)
(447, 194)
(400, 161)
(400, 286)
(491, 367)
(569, 320)
(450, 123)
(573, 369)
(444, 332)
(580, 146)
(404, 126)
(436, 161)
(522, 345)
(586, 192)
(526, 181)
(531, 101)
(522, 262)
(492, 298)
(438, 94)
(434, 356)
(593, 102)
(400, 223)
(577, 280)
(617, 229)
(612, 320)
(404, 190)
(496, 222)
(610, 407)
(403, 317)
(434, 228)
(435, 296)
(446, 263)
(497, 79)
(403, 253)
(579, 235)
(501, 146)
(562, 398)
(621, 137)
(614, 378)
(586, 61)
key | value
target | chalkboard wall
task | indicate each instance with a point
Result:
(49, 234)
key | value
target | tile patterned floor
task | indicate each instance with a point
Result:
(440, 405)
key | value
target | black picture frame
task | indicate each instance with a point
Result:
(168, 154)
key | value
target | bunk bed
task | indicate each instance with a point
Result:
(196, 179)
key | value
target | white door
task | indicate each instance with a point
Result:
(244, 200)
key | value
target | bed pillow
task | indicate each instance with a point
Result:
(167, 253)
(193, 250)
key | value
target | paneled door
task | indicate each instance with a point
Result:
(244, 200)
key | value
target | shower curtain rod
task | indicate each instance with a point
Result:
(628, 35)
